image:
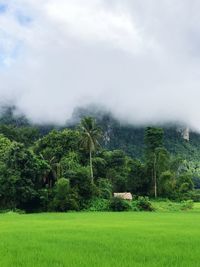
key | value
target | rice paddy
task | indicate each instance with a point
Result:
(100, 239)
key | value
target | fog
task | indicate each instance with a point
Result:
(137, 59)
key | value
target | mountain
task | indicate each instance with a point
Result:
(116, 135)
(178, 139)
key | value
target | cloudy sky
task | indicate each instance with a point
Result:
(139, 59)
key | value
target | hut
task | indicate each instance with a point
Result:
(125, 196)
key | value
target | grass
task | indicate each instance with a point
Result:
(100, 239)
(169, 206)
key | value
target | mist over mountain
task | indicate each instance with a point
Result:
(135, 59)
(128, 64)
(116, 134)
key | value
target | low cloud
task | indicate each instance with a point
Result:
(138, 59)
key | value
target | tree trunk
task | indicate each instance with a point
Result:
(91, 167)
(155, 177)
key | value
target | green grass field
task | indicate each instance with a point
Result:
(100, 239)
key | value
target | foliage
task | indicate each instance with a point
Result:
(65, 199)
(105, 188)
(137, 182)
(119, 204)
(5, 145)
(187, 204)
(81, 181)
(143, 204)
(156, 157)
(153, 138)
(99, 204)
(66, 169)
(165, 205)
(89, 139)
(25, 134)
(21, 176)
(193, 195)
(56, 144)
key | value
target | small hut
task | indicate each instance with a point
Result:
(125, 196)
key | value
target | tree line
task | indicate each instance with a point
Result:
(67, 169)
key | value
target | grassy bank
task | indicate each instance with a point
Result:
(100, 239)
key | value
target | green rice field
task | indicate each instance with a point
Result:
(100, 239)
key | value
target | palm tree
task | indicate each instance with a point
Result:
(90, 135)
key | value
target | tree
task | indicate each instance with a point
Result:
(90, 135)
(80, 181)
(8, 180)
(53, 147)
(105, 188)
(184, 183)
(27, 172)
(153, 143)
(116, 169)
(61, 194)
(167, 184)
(5, 145)
(26, 135)
(56, 144)
(137, 182)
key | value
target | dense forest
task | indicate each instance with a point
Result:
(48, 168)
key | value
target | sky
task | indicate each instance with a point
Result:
(137, 59)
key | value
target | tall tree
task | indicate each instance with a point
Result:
(90, 136)
(153, 143)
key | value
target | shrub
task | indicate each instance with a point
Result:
(193, 195)
(14, 211)
(98, 205)
(119, 204)
(73, 200)
(60, 201)
(62, 187)
(65, 198)
(134, 206)
(143, 204)
(105, 188)
(187, 204)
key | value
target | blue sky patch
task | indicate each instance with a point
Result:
(23, 19)
(12, 56)
(3, 8)
(11, 53)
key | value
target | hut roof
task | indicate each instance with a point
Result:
(125, 195)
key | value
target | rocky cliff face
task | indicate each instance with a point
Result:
(185, 133)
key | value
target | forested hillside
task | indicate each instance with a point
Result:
(116, 134)
(80, 165)
(119, 135)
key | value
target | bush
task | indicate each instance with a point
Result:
(193, 195)
(65, 198)
(60, 201)
(143, 204)
(187, 204)
(105, 188)
(119, 204)
(14, 211)
(73, 201)
(98, 205)
(134, 206)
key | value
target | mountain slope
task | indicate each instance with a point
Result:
(116, 135)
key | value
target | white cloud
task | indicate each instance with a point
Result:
(139, 59)
(92, 21)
